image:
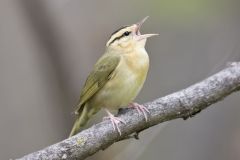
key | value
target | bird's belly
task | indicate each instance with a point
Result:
(120, 91)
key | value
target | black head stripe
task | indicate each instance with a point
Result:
(117, 38)
(119, 30)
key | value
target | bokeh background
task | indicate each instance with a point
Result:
(48, 47)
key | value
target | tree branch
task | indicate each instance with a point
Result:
(181, 104)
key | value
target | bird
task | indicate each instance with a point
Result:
(117, 77)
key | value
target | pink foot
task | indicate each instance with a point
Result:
(115, 121)
(141, 109)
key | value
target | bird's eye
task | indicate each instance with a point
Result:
(126, 33)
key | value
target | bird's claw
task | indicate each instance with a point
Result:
(115, 122)
(141, 109)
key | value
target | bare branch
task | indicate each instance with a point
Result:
(182, 104)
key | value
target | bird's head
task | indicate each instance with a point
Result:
(128, 37)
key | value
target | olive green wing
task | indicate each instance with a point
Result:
(101, 73)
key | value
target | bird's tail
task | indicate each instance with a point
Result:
(80, 121)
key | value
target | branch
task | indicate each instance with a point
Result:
(181, 104)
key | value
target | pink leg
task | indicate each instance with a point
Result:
(141, 109)
(115, 121)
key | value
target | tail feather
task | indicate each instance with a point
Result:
(80, 121)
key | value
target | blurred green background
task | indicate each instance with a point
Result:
(48, 47)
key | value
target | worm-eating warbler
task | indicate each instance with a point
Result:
(117, 77)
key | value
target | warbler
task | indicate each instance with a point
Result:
(116, 78)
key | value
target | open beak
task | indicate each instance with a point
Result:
(137, 31)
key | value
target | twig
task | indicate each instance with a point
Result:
(181, 104)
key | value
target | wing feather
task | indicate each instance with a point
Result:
(101, 73)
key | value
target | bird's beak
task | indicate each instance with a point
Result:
(137, 30)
